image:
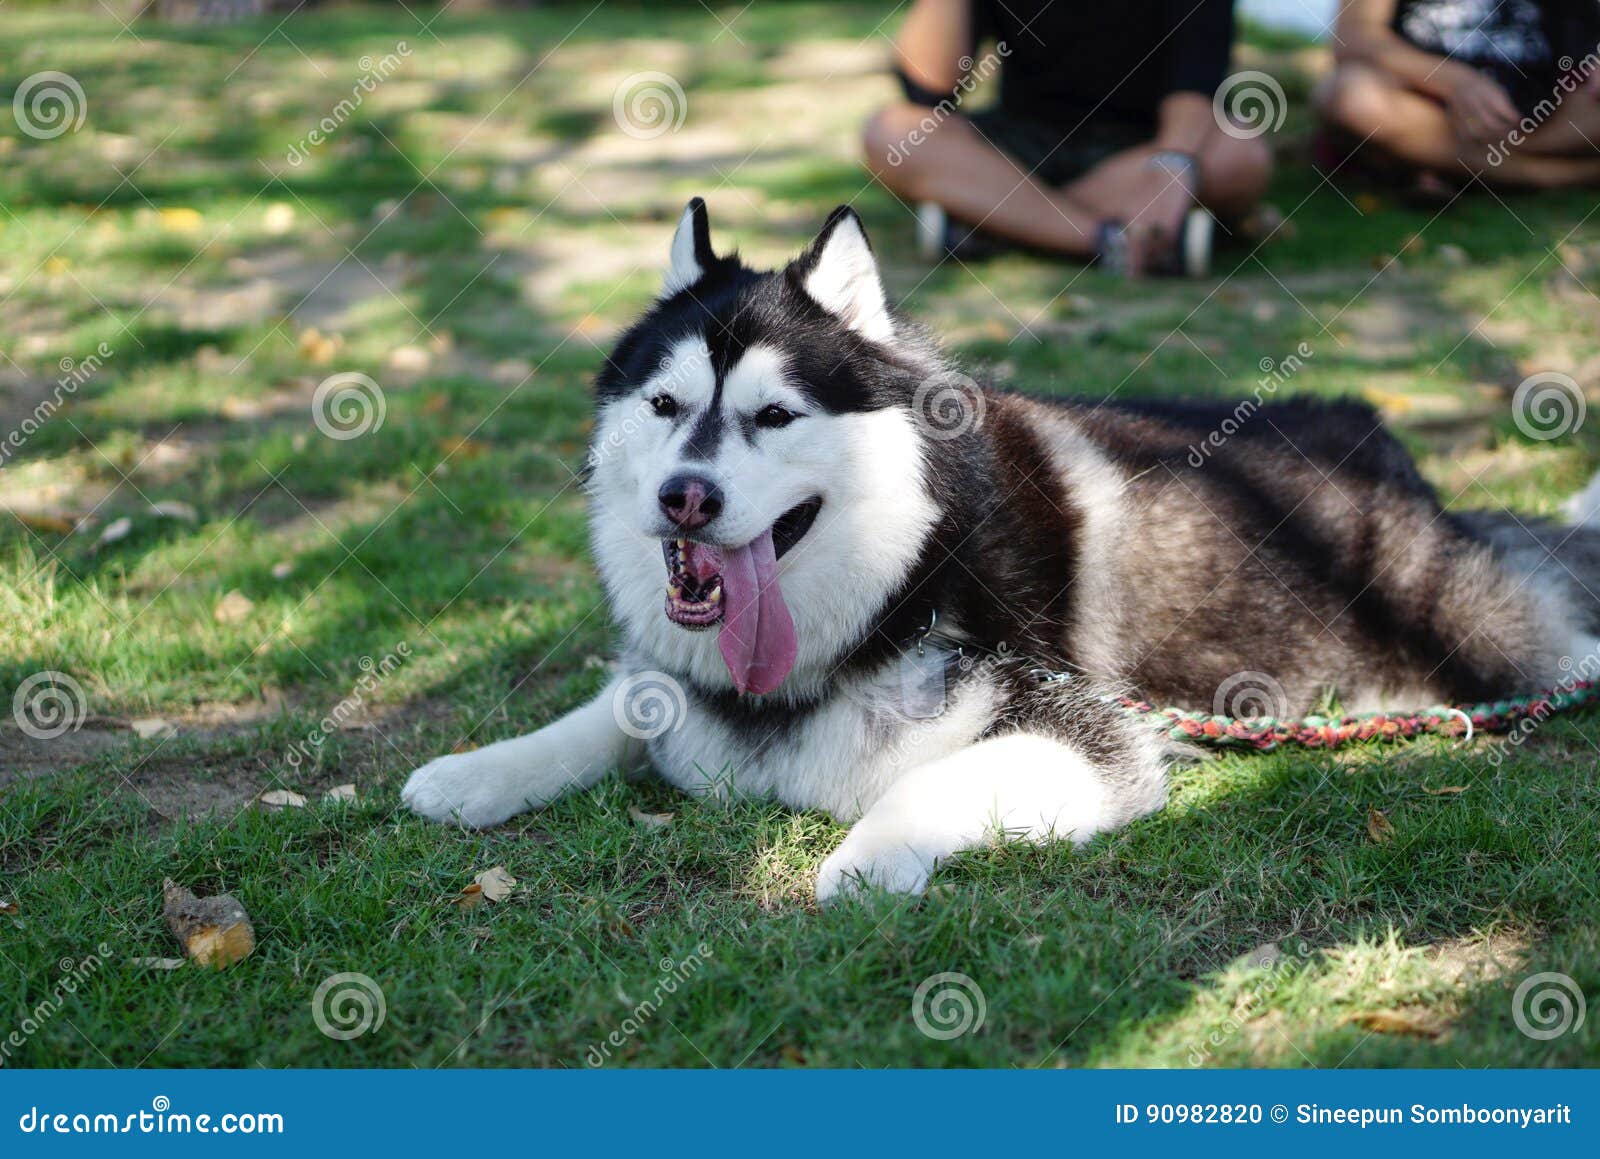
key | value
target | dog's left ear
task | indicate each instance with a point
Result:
(840, 274)
(691, 249)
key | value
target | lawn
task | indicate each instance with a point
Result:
(239, 602)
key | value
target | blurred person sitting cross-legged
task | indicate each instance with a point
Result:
(1103, 145)
(1442, 91)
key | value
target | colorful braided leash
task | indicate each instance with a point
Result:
(1264, 733)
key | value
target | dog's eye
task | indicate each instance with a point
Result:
(774, 416)
(664, 405)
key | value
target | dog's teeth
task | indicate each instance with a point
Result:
(674, 591)
(716, 594)
(683, 544)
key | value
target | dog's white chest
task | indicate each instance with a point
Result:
(838, 757)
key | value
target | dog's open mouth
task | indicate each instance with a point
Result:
(738, 587)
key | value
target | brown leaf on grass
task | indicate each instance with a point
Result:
(275, 799)
(45, 524)
(340, 793)
(115, 530)
(233, 607)
(1443, 790)
(1395, 1022)
(8, 907)
(462, 447)
(213, 931)
(495, 883)
(471, 897)
(146, 727)
(650, 820)
(1378, 827)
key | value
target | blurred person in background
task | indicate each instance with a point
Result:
(1440, 91)
(1103, 145)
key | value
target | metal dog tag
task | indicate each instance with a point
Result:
(922, 682)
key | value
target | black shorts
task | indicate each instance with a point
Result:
(1054, 155)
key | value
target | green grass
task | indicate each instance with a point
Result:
(501, 230)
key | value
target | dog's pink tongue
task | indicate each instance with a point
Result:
(757, 641)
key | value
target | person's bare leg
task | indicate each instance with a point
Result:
(1414, 129)
(925, 156)
(1234, 173)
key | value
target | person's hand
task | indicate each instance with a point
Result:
(1479, 109)
(1156, 205)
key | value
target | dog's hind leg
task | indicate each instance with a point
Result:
(489, 785)
(1032, 785)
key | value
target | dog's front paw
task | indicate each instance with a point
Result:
(468, 788)
(865, 862)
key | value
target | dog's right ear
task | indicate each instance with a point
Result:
(691, 249)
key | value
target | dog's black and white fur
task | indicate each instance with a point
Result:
(1036, 536)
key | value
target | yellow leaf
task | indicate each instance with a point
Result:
(1378, 827)
(181, 218)
(1394, 1022)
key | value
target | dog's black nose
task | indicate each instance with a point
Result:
(690, 501)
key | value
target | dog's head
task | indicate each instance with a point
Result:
(757, 474)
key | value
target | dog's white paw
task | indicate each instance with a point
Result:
(868, 862)
(472, 789)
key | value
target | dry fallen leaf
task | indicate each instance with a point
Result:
(495, 883)
(9, 907)
(1394, 1022)
(233, 607)
(650, 820)
(157, 963)
(46, 524)
(1378, 827)
(279, 218)
(471, 897)
(282, 570)
(115, 530)
(175, 509)
(463, 448)
(340, 793)
(151, 726)
(213, 931)
(282, 799)
(1444, 789)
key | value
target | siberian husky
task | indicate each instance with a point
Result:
(852, 579)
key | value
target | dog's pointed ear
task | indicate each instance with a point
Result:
(691, 249)
(840, 274)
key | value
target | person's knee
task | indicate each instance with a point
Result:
(893, 137)
(1234, 171)
(1353, 97)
